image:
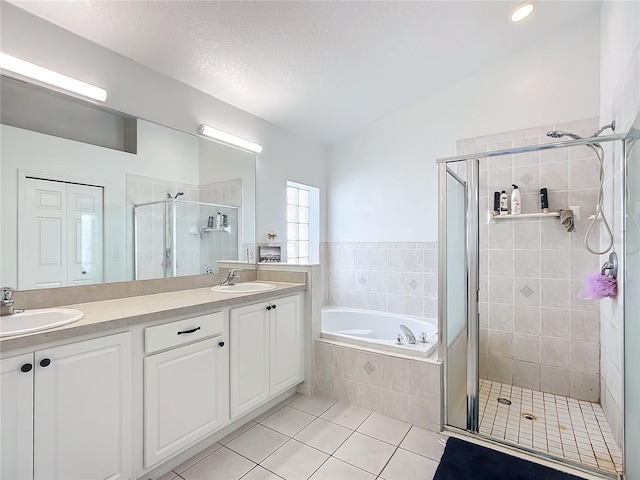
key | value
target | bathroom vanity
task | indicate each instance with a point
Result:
(141, 383)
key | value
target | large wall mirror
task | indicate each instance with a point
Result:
(92, 196)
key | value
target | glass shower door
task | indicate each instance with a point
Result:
(457, 293)
(632, 307)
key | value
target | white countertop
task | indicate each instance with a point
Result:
(123, 312)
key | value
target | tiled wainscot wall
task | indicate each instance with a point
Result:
(534, 330)
(386, 277)
(401, 388)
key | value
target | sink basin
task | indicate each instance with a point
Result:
(35, 320)
(247, 287)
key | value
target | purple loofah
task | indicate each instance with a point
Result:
(597, 286)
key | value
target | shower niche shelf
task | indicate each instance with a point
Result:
(492, 218)
(209, 230)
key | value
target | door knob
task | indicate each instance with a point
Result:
(26, 368)
(45, 362)
(221, 344)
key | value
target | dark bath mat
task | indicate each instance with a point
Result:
(467, 461)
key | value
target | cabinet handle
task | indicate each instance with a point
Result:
(26, 368)
(274, 307)
(221, 344)
(45, 362)
(269, 307)
(189, 331)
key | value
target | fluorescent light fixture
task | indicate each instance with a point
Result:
(49, 77)
(522, 12)
(230, 139)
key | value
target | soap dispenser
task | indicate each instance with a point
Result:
(516, 200)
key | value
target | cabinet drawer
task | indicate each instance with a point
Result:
(183, 331)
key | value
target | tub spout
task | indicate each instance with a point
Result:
(411, 339)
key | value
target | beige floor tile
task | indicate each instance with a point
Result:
(257, 443)
(323, 435)
(365, 452)
(293, 397)
(334, 469)
(223, 464)
(288, 421)
(315, 405)
(169, 476)
(406, 465)
(259, 473)
(346, 415)
(196, 458)
(268, 413)
(423, 442)
(237, 432)
(384, 428)
(295, 461)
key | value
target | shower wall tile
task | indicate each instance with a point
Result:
(535, 332)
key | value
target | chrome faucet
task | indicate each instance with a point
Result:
(6, 301)
(411, 339)
(232, 276)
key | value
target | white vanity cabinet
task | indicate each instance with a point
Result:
(81, 411)
(185, 384)
(266, 352)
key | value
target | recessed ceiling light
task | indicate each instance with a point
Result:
(522, 12)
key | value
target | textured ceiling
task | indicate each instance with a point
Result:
(320, 68)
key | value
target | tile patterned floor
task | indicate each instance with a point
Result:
(319, 439)
(564, 427)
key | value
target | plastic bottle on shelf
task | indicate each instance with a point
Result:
(504, 203)
(516, 200)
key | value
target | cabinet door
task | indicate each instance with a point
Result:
(249, 354)
(82, 410)
(185, 397)
(286, 344)
(16, 417)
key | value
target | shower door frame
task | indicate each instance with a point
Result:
(472, 280)
(170, 204)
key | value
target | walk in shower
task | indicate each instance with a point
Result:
(175, 237)
(521, 351)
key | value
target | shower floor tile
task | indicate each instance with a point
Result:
(561, 426)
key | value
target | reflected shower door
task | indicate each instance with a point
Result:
(632, 308)
(458, 292)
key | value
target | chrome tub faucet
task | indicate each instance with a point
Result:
(411, 339)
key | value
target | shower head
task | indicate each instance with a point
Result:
(562, 133)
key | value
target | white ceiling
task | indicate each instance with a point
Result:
(319, 68)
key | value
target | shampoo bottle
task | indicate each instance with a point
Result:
(516, 208)
(504, 203)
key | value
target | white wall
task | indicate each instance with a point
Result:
(142, 92)
(383, 181)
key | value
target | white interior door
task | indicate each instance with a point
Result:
(84, 227)
(60, 234)
(43, 235)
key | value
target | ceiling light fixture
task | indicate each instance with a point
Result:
(230, 139)
(20, 69)
(522, 12)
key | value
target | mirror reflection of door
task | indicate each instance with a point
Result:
(60, 239)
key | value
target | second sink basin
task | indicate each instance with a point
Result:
(247, 287)
(35, 320)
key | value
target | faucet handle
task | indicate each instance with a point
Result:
(399, 339)
(7, 296)
(423, 337)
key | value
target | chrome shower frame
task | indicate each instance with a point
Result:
(472, 285)
(170, 207)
